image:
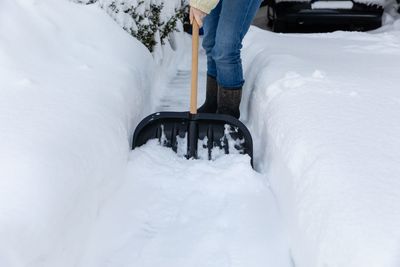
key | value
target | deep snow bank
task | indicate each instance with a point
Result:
(326, 108)
(72, 86)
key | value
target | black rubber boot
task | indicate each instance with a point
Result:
(210, 105)
(229, 101)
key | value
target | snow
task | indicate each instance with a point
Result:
(73, 85)
(332, 5)
(135, 16)
(325, 114)
(174, 212)
(323, 110)
(189, 213)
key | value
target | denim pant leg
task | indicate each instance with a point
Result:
(210, 25)
(235, 18)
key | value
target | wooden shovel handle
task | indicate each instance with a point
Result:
(195, 67)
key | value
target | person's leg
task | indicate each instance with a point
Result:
(234, 22)
(210, 29)
(210, 25)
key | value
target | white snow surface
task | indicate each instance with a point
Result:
(188, 213)
(324, 110)
(332, 5)
(169, 211)
(72, 87)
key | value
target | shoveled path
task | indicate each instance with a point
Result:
(173, 212)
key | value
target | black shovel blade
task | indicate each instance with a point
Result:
(200, 131)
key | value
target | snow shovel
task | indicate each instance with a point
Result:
(192, 132)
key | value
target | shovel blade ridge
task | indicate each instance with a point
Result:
(213, 133)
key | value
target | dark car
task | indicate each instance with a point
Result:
(323, 15)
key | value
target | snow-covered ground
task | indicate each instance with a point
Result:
(71, 85)
(324, 111)
(73, 88)
(173, 212)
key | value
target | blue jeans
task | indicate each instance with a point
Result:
(224, 30)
